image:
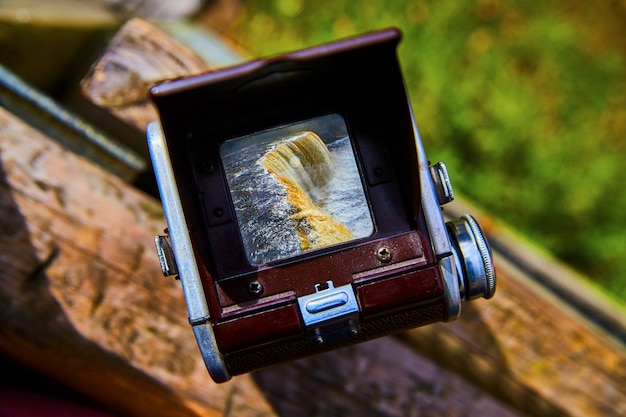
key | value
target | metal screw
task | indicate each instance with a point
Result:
(318, 338)
(354, 329)
(384, 254)
(255, 288)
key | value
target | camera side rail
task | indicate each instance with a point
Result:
(181, 255)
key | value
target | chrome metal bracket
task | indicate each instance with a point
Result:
(330, 314)
(165, 252)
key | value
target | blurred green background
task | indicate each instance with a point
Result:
(525, 101)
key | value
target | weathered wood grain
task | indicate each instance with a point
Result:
(82, 298)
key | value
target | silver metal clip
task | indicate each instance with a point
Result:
(165, 253)
(330, 314)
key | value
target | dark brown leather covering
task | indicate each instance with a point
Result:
(246, 361)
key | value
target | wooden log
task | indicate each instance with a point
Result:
(137, 57)
(525, 346)
(82, 297)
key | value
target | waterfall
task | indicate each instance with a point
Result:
(294, 190)
(304, 165)
(303, 159)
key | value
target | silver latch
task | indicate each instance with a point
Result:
(330, 314)
(165, 252)
(443, 186)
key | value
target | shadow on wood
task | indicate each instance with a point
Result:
(383, 377)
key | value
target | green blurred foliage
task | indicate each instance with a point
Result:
(525, 101)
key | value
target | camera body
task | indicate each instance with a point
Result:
(302, 212)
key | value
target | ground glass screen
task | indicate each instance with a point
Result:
(296, 188)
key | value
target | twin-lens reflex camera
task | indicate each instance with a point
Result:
(302, 212)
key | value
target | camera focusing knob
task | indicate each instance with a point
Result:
(443, 186)
(473, 258)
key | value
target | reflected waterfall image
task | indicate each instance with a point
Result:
(295, 191)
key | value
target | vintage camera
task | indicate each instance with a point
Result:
(302, 212)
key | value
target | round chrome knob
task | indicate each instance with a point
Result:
(473, 258)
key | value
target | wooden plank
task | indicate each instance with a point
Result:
(569, 288)
(82, 297)
(526, 346)
(531, 351)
